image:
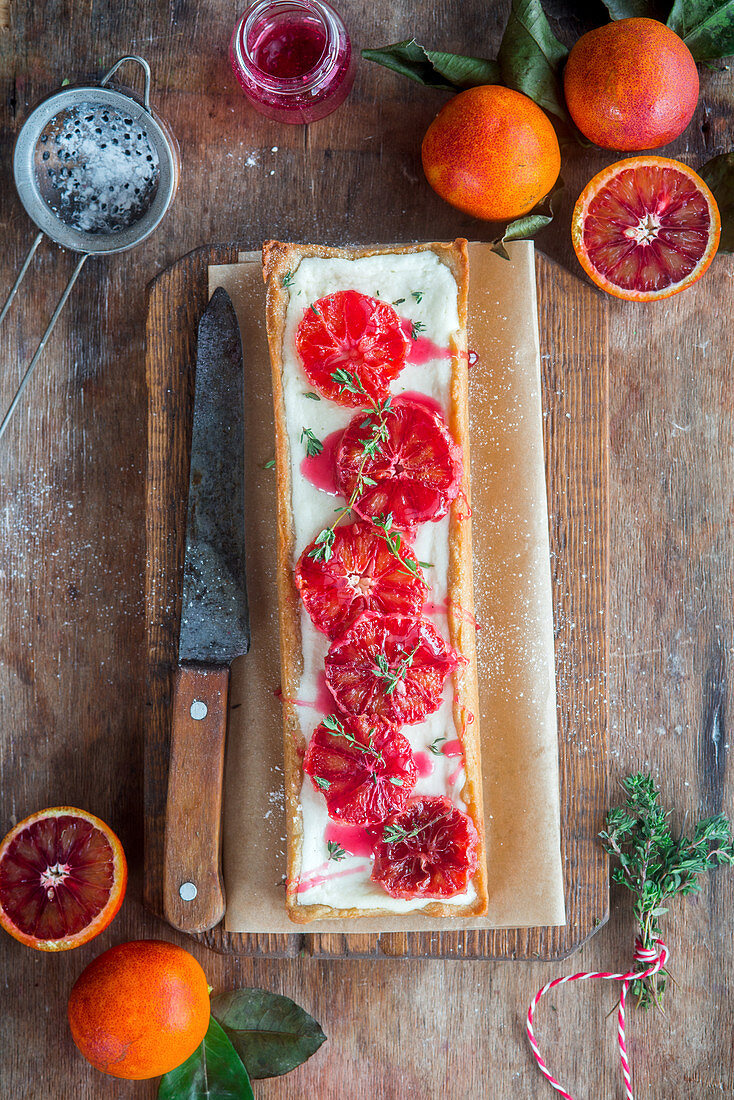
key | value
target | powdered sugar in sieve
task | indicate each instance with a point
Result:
(96, 168)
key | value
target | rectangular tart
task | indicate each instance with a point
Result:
(331, 864)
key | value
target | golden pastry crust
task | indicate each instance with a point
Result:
(278, 260)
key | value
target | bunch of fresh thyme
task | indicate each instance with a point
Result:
(655, 865)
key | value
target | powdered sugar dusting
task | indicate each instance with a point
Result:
(96, 168)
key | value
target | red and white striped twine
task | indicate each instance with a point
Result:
(651, 959)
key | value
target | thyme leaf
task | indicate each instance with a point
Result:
(393, 677)
(435, 746)
(287, 280)
(314, 446)
(336, 852)
(324, 784)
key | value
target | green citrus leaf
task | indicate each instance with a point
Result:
(706, 27)
(450, 71)
(719, 175)
(213, 1072)
(271, 1034)
(522, 229)
(531, 57)
(637, 9)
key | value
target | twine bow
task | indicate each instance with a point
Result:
(651, 959)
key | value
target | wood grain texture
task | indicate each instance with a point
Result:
(575, 370)
(72, 534)
(193, 834)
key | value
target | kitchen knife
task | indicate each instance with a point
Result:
(215, 625)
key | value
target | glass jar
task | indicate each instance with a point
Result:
(293, 59)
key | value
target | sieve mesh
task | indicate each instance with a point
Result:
(96, 168)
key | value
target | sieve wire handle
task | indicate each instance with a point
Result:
(146, 69)
(21, 276)
(61, 303)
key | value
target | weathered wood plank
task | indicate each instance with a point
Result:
(72, 650)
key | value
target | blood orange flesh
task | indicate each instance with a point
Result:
(365, 769)
(416, 470)
(428, 850)
(393, 666)
(646, 228)
(62, 878)
(349, 331)
(361, 575)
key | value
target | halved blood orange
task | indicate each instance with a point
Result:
(361, 575)
(364, 768)
(62, 878)
(416, 470)
(349, 331)
(394, 666)
(428, 850)
(645, 228)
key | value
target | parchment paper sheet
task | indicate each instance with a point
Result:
(513, 608)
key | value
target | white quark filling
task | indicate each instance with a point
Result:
(389, 278)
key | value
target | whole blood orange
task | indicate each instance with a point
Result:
(631, 84)
(645, 228)
(140, 1009)
(62, 878)
(492, 153)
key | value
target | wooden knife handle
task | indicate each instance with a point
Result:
(193, 895)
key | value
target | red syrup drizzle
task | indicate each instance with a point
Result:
(316, 878)
(423, 763)
(459, 514)
(431, 608)
(422, 350)
(472, 359)
(320, 469)
(352, 838)
(323, 703)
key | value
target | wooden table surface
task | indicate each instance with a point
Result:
(72, 655)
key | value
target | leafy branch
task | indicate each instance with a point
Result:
(655, 866)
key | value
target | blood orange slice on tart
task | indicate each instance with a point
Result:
(428, 850)
(413, 472)
(645, 228)
(393, 666)
(62, 878)
(361, 574)
(356, 335)
(364, 768)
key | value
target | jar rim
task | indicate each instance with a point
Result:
(288, 85)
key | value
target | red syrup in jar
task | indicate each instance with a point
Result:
(293, 59)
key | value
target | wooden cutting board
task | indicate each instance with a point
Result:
(574, 360)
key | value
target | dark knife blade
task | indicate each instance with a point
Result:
(215, 623)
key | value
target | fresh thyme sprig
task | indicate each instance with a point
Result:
(415, 328)
(336, 728)
(349, 382)
(336, 852)
(314, 446)
(287, 279)
(395, 834)
(393, 677)
(655, 866)
(394, 542)
(435, 746)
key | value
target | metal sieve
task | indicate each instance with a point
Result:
(96, 169)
